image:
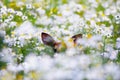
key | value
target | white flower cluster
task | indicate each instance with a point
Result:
(95, 56)
(63, 67)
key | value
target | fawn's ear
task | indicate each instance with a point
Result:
(75, 37)
(47, 39)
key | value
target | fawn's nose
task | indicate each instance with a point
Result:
(60, 47)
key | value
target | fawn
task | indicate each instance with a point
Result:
(57, 46)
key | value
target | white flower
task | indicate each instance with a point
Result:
(71, 52)
(12, 24)
(10, 42)
(10, 10)
(118, 22)
(15, 41)
(84, 61)
(113, 55)
(7, 21)
(106, 31)
(3, 10)
(77, 8)
(105, 4)
(10, 17)
(118, 5)
(118, 43)
(60, 74)
(6, 55)
(59, 20)
(29, 6)
(31, 63)
(20, 56)
(95, 74)
(73, 64)
(44, 20)
(1, 20)
(74, 19)
(111, 69)
(12, 67)
(2, 34)
(106, 54)
(113, 9)
(117, 17)
(41, 11)
(108, 35)
(1, 4)
(24, 17)
(25, 28)
(20, 3)
(90, 42)
(66, 13)
(89, 14)
(19, 13)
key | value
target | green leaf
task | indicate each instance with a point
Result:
(100, 8)
(107, 23)
(118, 57)
(6, 2)
(48, 50)
(9, 30)
(64, 1)
(87, 50)
(1, 42)
(2, 64)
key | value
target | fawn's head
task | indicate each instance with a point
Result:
(57, 46)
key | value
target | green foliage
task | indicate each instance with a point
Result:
(2, 64)
(100, 8)
(1, 42)
(81, 13)
(18, 19)
(47, 50)
(87, 50)
(107, 23)
(28, 48)
(85, 18)
(31, 18)
(118, 58)
(6, 2)
(52, 8)
(9, 30)
(64, 1)
(82, 2)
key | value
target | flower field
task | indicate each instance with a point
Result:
(59, 39)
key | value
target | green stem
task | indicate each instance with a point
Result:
(104, 45)
(103, 50)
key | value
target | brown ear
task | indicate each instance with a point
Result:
(47, 39)
(75, 37)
